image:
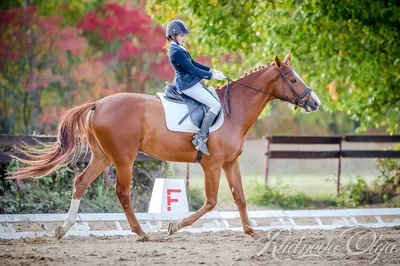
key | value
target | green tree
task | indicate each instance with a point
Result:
(349, 50)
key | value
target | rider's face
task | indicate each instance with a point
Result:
(181, 38)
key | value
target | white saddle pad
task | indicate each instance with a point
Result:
(174, 112)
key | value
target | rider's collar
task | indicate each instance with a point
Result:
(179, 45)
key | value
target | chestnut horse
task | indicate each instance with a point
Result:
(117, 127)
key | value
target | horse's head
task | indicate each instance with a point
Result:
(291, 88)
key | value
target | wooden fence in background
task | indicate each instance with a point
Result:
(338, 153)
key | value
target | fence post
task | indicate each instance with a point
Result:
(266, 170)
(187, 176)
(339, 168)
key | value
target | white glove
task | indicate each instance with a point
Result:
(218, 75)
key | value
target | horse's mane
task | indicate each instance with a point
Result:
(247, 74)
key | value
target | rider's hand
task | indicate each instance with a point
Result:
(218, 75)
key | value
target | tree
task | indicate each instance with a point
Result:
(54, 61)
(130, 43)
(25, 71)
(71, 10)
(348, 49)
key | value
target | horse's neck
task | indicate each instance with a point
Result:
(247, 104)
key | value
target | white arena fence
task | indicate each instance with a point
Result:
(213, 221)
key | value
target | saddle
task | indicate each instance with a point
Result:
(197, 110)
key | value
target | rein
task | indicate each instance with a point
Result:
(298, 102)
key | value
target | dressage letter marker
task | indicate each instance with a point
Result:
(169, 195)
(169, 199)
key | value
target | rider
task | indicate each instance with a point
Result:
(188, 74)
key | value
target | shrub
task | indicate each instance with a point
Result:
(52, 194)
(357, 194)
(196, 199)
(280, 196)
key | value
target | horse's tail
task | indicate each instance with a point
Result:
(71, 141)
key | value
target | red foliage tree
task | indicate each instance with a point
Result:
(136, 43)
(50, 67)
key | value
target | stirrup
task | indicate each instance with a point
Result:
(199, 142)
(201, 145)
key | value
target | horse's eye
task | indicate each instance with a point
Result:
(293, 80)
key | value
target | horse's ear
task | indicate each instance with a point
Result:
(278, 62)
(288, 58)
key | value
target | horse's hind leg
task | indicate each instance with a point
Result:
(121, 144)
(97, 164)
(123, 191)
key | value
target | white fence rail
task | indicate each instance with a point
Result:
(213, 221)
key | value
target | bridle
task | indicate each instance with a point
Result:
(298, 102)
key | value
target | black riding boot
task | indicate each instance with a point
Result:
(200, 139)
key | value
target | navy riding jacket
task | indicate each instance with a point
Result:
(187, 71)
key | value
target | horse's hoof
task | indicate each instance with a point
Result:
(60, 232)
(255, 236)
(173, 227)
(143, 238)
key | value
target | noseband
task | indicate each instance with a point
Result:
(298, 102)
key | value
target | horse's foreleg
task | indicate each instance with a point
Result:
(123, 191)
(97, 164)
(211, 182)
(233, 176)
